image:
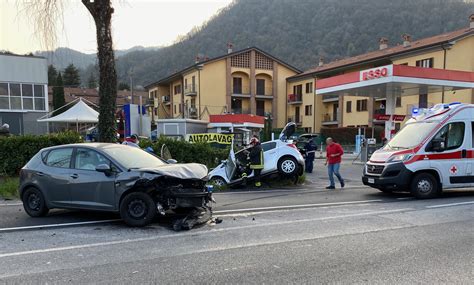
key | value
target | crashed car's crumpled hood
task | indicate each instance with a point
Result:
(182, 171)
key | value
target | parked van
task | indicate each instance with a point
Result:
(432, 152)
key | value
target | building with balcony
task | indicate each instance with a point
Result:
(248, 81)
(435, 71)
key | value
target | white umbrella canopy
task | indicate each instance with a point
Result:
(79, 113)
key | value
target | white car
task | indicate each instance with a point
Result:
(279, 156)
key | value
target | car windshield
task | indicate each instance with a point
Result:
(133, 157)
(411, 135)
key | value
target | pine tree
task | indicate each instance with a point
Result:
(58, 95)
(71, 76)
(52, 75)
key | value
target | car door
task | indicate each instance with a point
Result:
(452, 161)
(54, 176)
(91, 189)
(270, 156)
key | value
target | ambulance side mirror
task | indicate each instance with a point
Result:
(437, 145)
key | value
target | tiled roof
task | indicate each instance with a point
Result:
(389, 52)
(92, 95)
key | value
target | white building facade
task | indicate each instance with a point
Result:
(23, 93)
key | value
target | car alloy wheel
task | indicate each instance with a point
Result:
(34, 201)
(137, 209)
(288, 166)
(218, 181)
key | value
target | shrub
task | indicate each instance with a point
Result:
(9, 187)
(185, 152)
(16, 151)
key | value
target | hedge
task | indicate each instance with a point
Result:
(16, 151)
(347, 135)
(185, 152)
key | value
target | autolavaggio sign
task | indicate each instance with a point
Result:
(210, 138)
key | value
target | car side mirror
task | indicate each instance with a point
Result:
(104, 168)
(438, 145)
(172, 161)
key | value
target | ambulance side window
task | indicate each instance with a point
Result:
(452, 134)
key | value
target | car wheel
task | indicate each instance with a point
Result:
(424, 186)
(287, 166)
(137, 209)
(218, 181)
(34, 203)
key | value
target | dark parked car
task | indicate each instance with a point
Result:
(111, 177)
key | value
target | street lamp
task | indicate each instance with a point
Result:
(199, 68)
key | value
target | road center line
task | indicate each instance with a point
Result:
(10, 204)
(100, 244)
(57, 225)
(450, 205)
(298, 206)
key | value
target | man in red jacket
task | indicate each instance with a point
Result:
(334, 153)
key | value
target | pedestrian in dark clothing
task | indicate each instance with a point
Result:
(334, 153)
(256, 160)
(310, 150)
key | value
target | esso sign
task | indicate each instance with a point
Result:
(375, 73)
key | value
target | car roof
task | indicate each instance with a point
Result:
(89, 145)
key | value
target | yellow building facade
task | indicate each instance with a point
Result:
(451, 51)
(249, 81)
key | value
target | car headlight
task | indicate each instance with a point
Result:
(400, 157)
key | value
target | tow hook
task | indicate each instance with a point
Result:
(160, 209)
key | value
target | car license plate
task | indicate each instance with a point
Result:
(371, 180)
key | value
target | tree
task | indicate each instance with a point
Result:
(92, 82)
(123, 86)
(52, 75)
(47, 12)
(71, 76)
(58, 95)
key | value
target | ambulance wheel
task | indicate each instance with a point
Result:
(424, 186)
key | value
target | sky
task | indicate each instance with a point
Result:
(135, 23)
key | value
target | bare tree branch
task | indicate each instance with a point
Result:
(46, 15)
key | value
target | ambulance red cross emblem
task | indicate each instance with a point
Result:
(453, 169)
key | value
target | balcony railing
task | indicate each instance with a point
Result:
(298, 120)
(190, 90)
(239, 111)
(241, 90)
(295, 98)
(330, 118)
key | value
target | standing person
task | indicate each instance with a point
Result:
(310, 150)
(334, 153)
(256, 160)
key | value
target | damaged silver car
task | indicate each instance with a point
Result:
(114, 178)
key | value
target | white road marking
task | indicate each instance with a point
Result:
(57, 225)
(10, 204)
(100, 244)
(284, 190)
(405, 198)
(450, 205)
(297, 206)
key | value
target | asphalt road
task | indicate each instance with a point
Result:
(306, 235)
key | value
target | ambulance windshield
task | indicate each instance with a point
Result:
(410, 136)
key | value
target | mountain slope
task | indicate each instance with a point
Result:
(299, 32)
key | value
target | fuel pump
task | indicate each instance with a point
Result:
(368, 148)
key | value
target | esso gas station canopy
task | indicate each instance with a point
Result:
(398, 80)
(391, 81)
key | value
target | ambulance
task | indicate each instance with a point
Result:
(432, 152)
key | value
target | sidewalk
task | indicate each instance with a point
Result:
(352, 173)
